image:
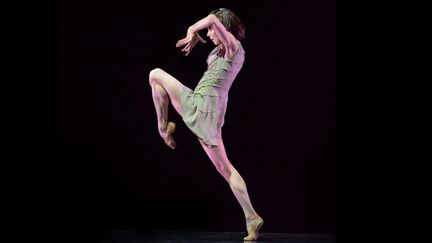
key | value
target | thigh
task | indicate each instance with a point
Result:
(173, 87)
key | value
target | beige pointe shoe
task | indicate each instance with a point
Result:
(253, 229)
(169, 140)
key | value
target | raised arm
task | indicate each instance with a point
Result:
(211, 21)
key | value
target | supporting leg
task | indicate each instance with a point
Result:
(220, 160)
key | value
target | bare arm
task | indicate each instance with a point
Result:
(211, 21)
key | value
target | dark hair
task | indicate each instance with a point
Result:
(231, 22)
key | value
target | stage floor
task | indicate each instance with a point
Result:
(226, 237)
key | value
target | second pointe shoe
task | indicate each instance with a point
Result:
(169, 140)
(253, 229)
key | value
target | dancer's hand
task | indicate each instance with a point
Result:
(189, 42)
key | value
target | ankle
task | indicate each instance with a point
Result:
(252, 217)
(163, 129)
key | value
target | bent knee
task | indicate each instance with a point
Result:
(155, 73)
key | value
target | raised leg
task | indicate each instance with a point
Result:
(165, 88)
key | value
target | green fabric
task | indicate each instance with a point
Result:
(204, 107)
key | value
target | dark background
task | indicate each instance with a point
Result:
(279, 129)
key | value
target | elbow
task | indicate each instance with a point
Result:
(212, 19)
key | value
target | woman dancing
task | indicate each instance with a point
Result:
(203, 109)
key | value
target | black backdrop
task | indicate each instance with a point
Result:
(279, 130)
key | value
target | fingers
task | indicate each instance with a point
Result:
(180, 43)
(188, 44)
(187, 49)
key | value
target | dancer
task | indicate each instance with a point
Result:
(203, 109)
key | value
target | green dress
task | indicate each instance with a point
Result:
(204, 107)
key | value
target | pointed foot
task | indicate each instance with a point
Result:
(253, 228)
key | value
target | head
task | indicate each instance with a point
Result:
(231, 22)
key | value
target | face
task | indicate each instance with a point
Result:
(211, 34)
